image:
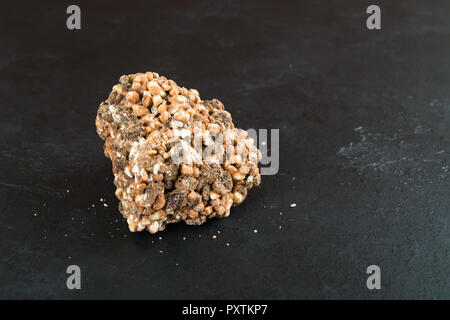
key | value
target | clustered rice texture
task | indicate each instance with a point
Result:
(144, 122)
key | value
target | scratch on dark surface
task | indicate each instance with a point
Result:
(395, 153)
(43, 190)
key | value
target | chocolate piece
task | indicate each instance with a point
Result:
(157, 135)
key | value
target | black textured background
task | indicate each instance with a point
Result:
(364, 148)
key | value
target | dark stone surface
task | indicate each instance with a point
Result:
(377, 194)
